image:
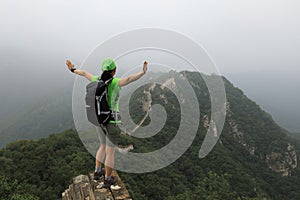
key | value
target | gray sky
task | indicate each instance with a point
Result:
(240, 35)
(247, 35)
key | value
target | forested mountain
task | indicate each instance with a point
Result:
(48, 114)
(253, 159)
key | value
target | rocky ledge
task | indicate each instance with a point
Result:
(86, 188)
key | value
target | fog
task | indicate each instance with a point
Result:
(242, 37)
(277, 92)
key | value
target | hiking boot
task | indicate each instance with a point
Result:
(97, 175)
(107, 183)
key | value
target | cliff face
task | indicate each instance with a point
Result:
(86, 188)
(283, 163)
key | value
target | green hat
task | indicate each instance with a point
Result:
(108, 64)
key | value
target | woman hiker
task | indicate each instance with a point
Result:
(111, 130)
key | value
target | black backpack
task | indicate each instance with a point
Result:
(96, 101)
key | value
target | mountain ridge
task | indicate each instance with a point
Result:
(253, 159)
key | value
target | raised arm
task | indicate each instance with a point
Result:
(134, 77)
(77, 71)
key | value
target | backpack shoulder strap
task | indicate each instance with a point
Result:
(108, 81)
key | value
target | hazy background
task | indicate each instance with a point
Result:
(255, 44)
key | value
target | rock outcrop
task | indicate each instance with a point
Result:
(86, 188)
(283, 163)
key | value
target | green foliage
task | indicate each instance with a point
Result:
(10, 190)
(46, 167)
(214, 187)
(23, 197)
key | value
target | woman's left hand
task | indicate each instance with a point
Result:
(69, 64)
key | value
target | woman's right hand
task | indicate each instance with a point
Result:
(145, 67)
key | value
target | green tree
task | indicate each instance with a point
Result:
(214, 187)
(9, 190)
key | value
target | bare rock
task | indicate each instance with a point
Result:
(86, 188)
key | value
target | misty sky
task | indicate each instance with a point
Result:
(241, 36)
